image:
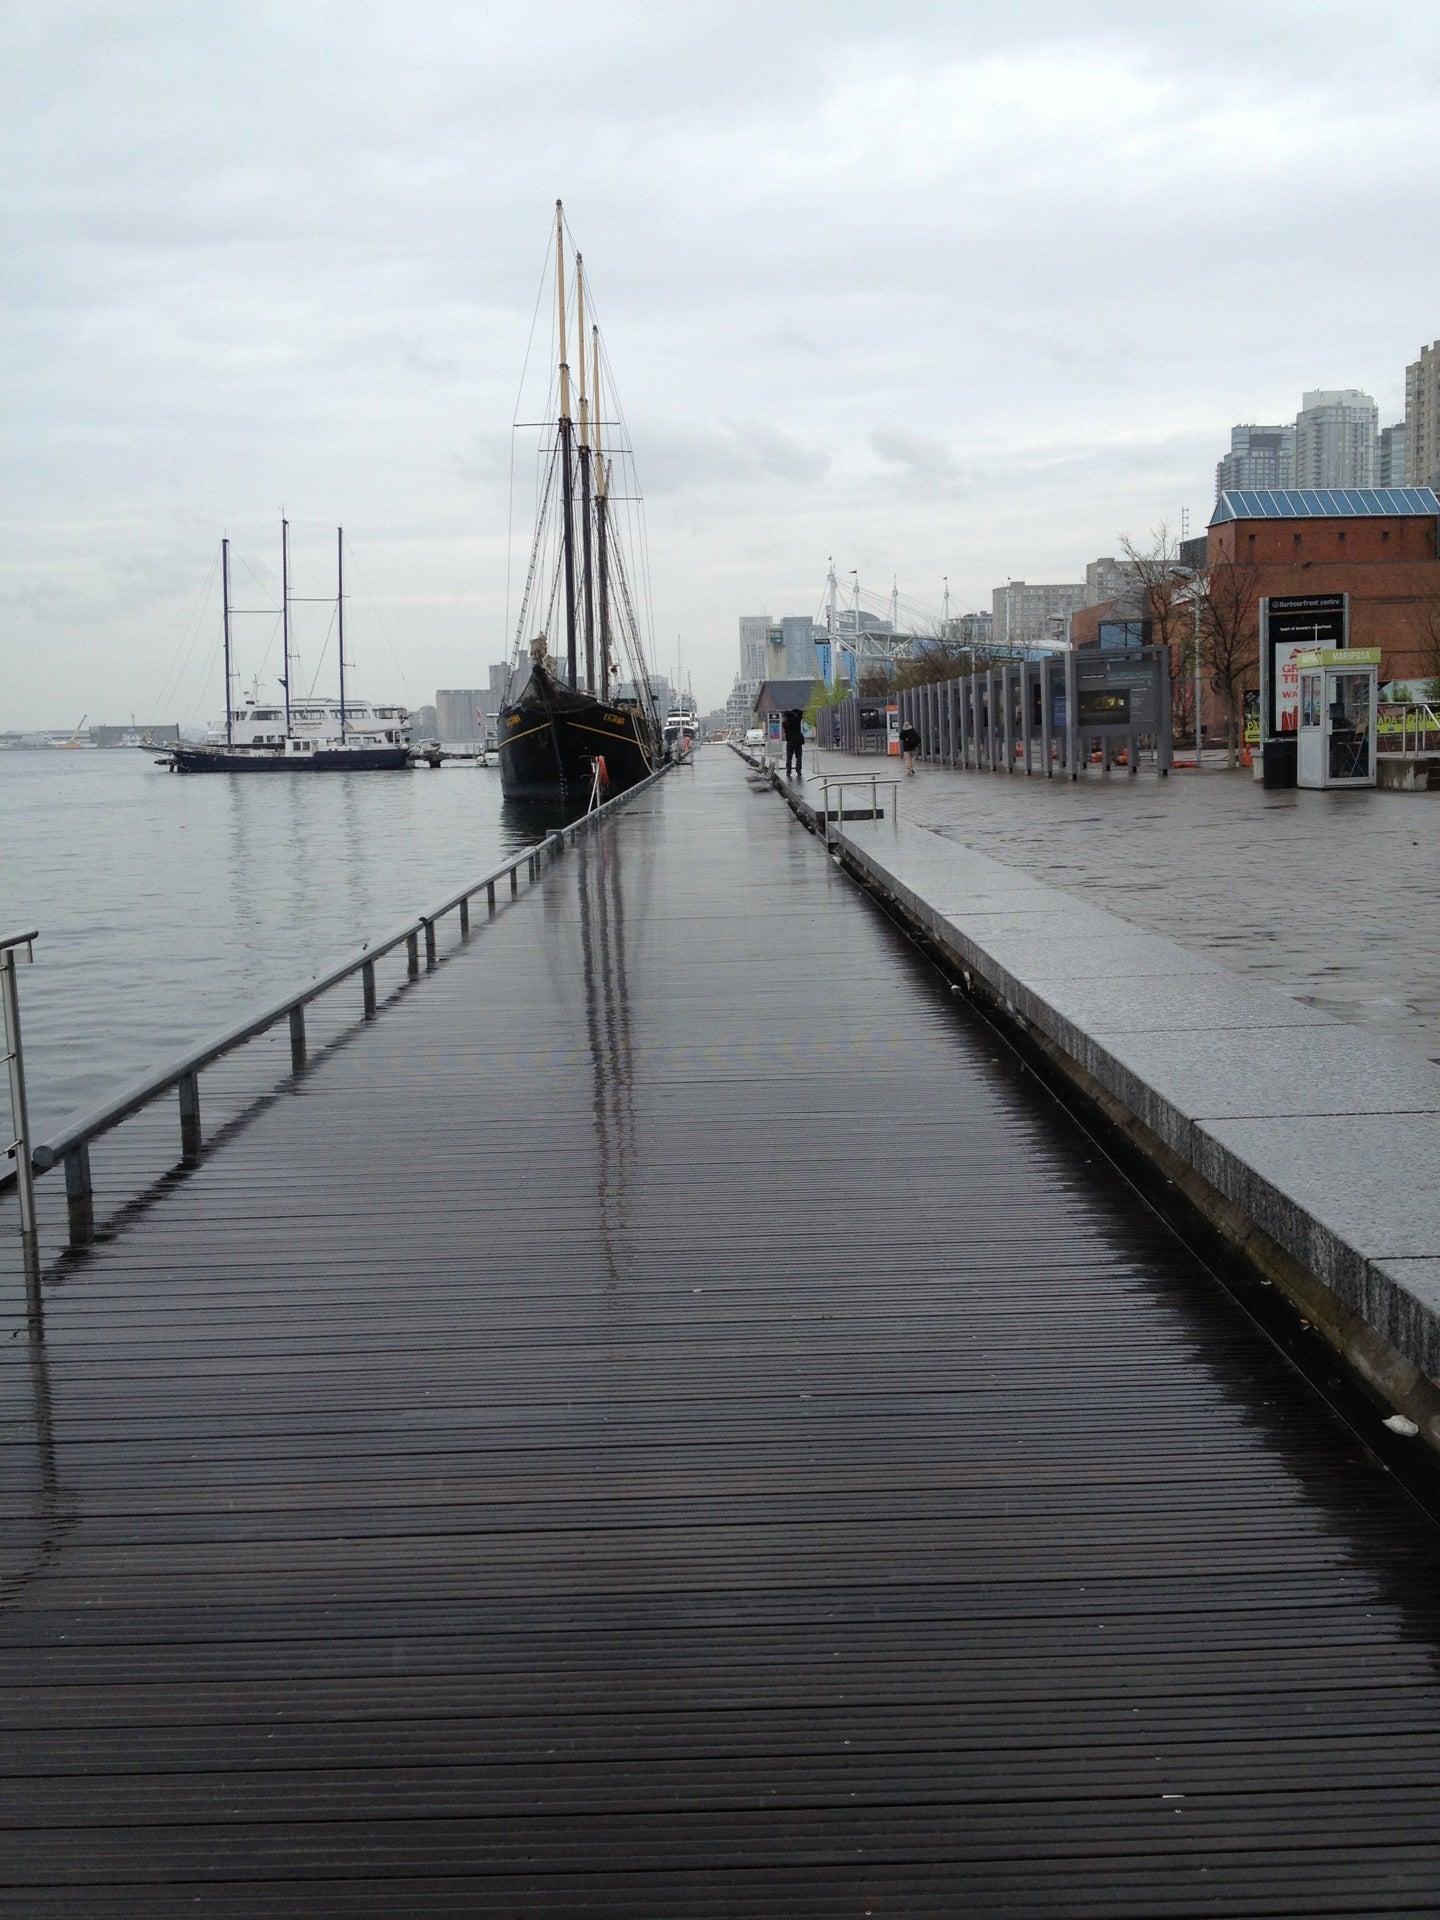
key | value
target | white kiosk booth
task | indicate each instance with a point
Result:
(1338, 704)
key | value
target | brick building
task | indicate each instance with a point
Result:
(1378, 544)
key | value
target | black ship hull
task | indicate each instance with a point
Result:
(550, 738)
(266, 760)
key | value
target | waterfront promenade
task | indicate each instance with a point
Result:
(670, 1419)
(1333, 898)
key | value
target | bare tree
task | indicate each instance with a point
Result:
(1164, 590)
(1427, 624)
(942, 657)
(1230, 638)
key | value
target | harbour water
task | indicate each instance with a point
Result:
(167, 906)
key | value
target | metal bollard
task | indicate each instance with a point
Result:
(189, 1091)
(79, 1196)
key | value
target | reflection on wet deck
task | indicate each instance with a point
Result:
(666, 1422)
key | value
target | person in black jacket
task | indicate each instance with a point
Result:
(909, 746)
(793, 728)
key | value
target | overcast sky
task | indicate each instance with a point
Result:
(956, 290)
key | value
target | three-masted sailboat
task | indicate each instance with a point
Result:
(569, 732)
(306, 734)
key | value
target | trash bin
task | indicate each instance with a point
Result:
(1280, 762)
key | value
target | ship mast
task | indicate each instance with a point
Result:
(285, 614)
(601, 569)
(586, 577)
(225, 627)
(567, 451)
(340, 615)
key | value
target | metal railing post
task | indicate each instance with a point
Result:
(490, 895)
(297, 1038)
(367, 977)
(430, 943)
(79, 1195)
(15, 1062)
(412, 955)
(514, 880)
(189, 1092)
(465, 918)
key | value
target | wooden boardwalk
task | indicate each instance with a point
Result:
(668, 1421)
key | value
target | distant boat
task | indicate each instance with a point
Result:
(306, 734)
(681, 730)
(564, 736)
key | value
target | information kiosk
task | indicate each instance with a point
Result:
(1338, 703)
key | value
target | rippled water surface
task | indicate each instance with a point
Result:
(168, 906)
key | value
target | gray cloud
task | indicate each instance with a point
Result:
(922, 459)
(857, 265)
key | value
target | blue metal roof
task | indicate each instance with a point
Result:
(1322, 503)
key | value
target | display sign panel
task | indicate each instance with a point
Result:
(1116, 690)
(1103, 706)
(1292, 624)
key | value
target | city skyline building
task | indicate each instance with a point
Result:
(970, 630)
(461, 714)
(1259, 456)
(797, 640)
(754, 635)
(1336, 433)
(740, 704)
(1107, 579)
(1027, 613)
(1392, 467)
(661, 692)
(1422, 418)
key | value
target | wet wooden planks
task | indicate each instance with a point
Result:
(668, 1421)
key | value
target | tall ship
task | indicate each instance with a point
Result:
(305, 734)
(571, 732)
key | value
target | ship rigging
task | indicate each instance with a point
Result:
(572, 731)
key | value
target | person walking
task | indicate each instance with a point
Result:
(793, 728)
(909, 746)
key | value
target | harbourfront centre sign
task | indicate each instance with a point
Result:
(1292, 624)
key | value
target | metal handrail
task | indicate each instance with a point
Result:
(71, 1145)
(140, 1093)
(1426, 726)
(862, 780)
(18, 1149)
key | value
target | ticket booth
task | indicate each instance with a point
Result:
(1339, 696)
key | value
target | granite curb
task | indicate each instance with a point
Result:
(1323, 1138)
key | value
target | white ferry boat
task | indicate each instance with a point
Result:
(302, 734)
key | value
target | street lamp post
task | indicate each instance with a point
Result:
(1193, 575)
(1199, 678)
